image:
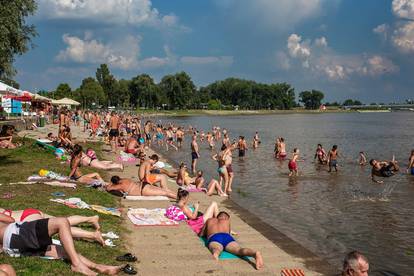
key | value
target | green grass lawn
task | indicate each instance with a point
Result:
(17, 165)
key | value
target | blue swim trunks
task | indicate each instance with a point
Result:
(412, 170)
(222, 238)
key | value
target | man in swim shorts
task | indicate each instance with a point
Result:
(145, 175)
(195, 154)
(114, 123)
(383, 169)
(242, 146)
(332, 158)
(217, 231)
(34, 239)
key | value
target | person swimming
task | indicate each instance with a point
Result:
(383, 168)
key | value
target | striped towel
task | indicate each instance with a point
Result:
(292, 272)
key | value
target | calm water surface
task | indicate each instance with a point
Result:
(330, 214)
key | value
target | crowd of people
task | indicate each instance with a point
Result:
(130, 134)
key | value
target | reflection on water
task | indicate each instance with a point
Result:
(329, 213)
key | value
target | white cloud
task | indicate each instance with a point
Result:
(123, 55)
(403, 8)
(207, 60)
(382, 30)
(403, 37)
(118, 12)
(274, 14)
(321, 60)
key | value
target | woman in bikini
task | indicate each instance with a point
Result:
(31, 214)
(195, 219)
(211, 187)
(222, 169)
(75, 164)
(89, 159)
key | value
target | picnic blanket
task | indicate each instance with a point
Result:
(47, 182)
(75, 202)
(146, 198)
(149, 217)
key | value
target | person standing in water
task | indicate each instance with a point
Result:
(293, 166)
(282, 148)
(180, 137)
(320, 154)
(242, 146)
(256, 140)
(332, 158)
(195, 154)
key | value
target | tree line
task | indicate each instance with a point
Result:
(175, 91)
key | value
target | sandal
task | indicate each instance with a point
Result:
(128, 269)
(128, 257)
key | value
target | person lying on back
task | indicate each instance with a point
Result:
(217, 231)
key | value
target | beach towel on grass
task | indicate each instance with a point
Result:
(48, 182)
(149, 217)
(224, 255)
(77, 203)
(44, 143)
(146, 198)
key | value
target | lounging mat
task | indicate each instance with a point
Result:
(224, 255)
(146, 198)
(50, 183)
(42, 143)
(150, 217)
(77, 203)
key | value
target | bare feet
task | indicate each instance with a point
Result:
(259, 260)
(95, 222)
(216, 255)
(83, 269)
(99, 238)
(108, 269)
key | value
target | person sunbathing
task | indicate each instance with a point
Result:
(195, 219)
(34, 238)
(90, 159)
(211, 187)
(75, 164)
(183, 177)
(34, 214)
(145, 175)
(6, 137)
(128, 187)
(217, 231)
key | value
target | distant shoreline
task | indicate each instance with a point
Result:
(204, 112)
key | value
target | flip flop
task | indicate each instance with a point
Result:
(128, 269)
(128, 257)
(58, 194)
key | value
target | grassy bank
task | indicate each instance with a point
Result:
(17, 165)
(204, 112)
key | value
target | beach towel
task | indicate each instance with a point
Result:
(75, 202)
(48, 175)
(224, 255)
(45, 144)
(149, 217)
(195, 190)
(126, 157)
(146, 198)
(47, 182)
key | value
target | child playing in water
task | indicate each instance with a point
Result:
(332, 156)
(293, 166)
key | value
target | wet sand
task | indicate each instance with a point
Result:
(176, 250)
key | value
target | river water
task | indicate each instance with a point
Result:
(328, 213)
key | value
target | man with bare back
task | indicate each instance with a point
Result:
(114, 123)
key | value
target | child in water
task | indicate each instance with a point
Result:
(293, 166)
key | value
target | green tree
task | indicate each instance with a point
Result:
(144, 92)
(62, 91)
(15, 33)
(90, 93)
(214, 104)
(311, 99)
(108, 83)
(179, 89)
(123, 93)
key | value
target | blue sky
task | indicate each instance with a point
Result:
(345, 48)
